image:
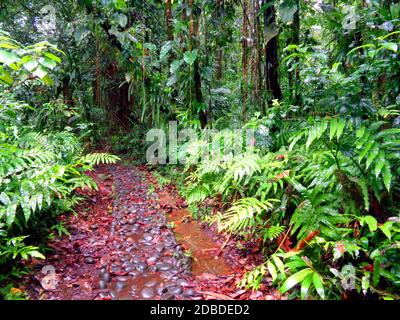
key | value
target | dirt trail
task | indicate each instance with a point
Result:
(122, 247)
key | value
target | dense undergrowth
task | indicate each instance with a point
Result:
(42, 159)
(319, 194)
(321, 203)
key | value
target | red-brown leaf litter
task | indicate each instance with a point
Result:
(128, 242)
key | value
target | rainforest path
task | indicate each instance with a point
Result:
(132, 239)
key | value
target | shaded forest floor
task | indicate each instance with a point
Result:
(132, 239)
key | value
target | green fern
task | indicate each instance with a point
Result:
(273, 232)
(196, 193)
(244, 213)
(93, 159)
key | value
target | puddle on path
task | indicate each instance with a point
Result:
(204, 250)
(202, 247)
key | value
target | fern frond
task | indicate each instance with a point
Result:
(273, 232)
(197, 193)
(92, 159)
(243, 214)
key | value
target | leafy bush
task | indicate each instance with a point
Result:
(331, 189)
(39, 170)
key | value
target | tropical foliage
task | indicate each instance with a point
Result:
(39, 167)
(318, 187)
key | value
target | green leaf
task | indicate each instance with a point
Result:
(119, 4)
(270, 32)
(321, 129)
(388, 132)
(368, 45)
(318, 284)
(190, 57)
(365, 150)
(377, 271)
(390, 46)
(4, 199)
(360, 132)
(175, 65)
(365, 282)
(165, 49)
(48, 63)
(340, 127)
(30, 65)
(294, 141)
(47, 80)
(305, 286)
(172, 80)
(363, 139)
(80, 33)
(379, 164)
(385, 228)
(272, 270)
(387, 176)
(5, 77)
(52, 57)
(7, 45)
(36, 254)
(294, 280)
(10, 213)
(8, 58)
(364, 190)
(371, 157)
(26, 208)
(40, 72)
(333, 128)
(370, 221)
(279, 264)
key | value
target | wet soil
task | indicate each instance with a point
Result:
(123, 247)
(132, 239)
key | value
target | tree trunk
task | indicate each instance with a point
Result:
(67, 91)
(257, 82)
(193, 31)
(220, 50)
(271, 57)
(244, 59)
(96, 89)
(296, 41)
(168, 19)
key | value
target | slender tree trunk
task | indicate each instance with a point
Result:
(170, 36)
(168, 19)
(253, 53)
(219, 64)
(258, 54)
(220, 49)
(97, 90)
(296, 41)
(271, 57)
(290, 74)
(244, 59)
(67, 91)
(193, 31)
